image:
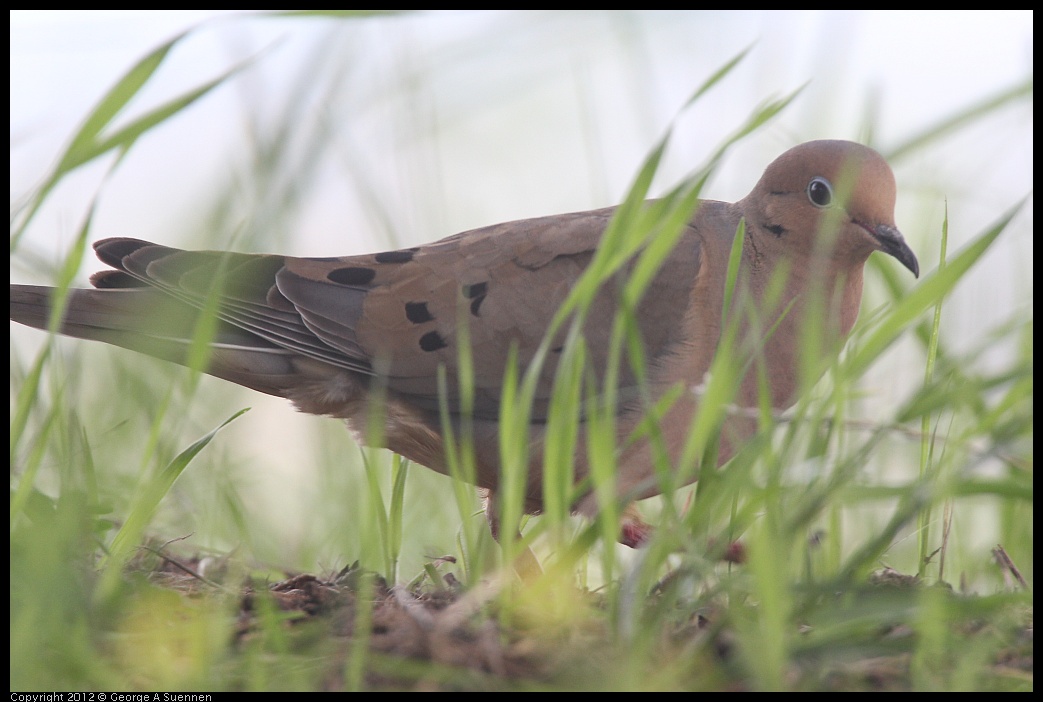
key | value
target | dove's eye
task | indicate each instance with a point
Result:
(820, 192)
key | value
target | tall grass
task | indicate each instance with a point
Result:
(817, 518)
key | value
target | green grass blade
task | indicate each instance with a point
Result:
(89, 142)
(146, 503)
(926, 445)
(925, 295)
(969, 116)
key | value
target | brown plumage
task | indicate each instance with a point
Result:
(322, 331)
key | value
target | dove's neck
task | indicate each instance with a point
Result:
(795, 314)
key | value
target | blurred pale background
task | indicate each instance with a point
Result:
(355, 135)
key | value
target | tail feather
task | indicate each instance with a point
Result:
(151, 322)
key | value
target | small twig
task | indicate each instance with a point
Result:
(1004, 559)
(186, 537)
(946, 531)
(181, 566)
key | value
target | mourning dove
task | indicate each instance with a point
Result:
(322, 332)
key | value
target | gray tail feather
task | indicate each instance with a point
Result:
(154, 323)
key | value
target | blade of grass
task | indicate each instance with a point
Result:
(89, 142)
(927, 446)
(925, 295)
(144, 507)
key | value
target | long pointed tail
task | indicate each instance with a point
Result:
(154, 323)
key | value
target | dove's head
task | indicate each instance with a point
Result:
(833, 198)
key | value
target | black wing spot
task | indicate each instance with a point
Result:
(417, 313)
(403, 256)
(432, 341)
(352, 276)
(476, 294)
